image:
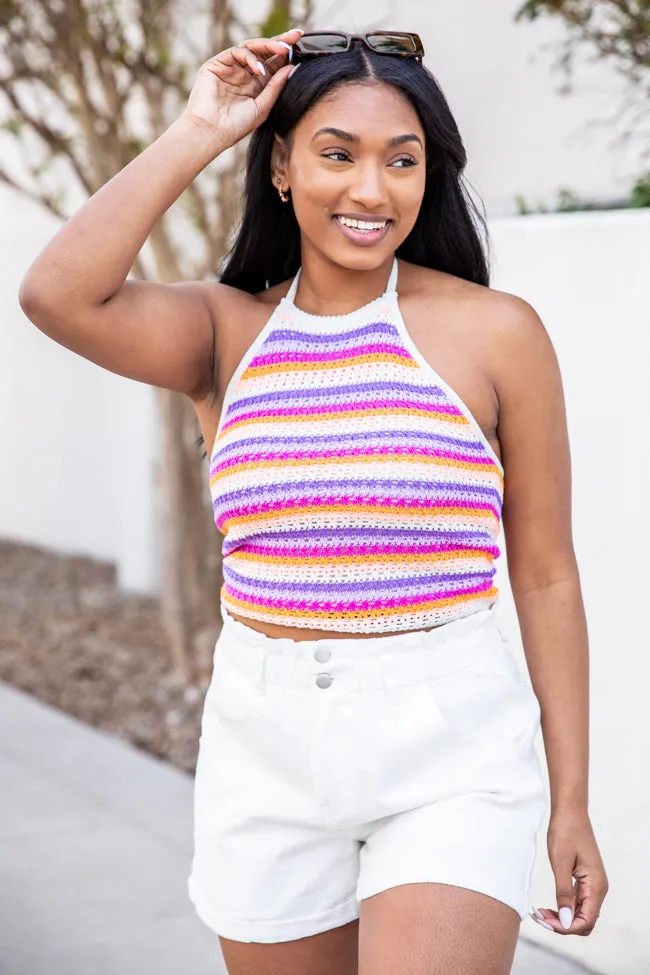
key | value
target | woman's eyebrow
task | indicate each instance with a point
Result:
(397, 140)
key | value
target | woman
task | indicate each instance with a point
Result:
(367, 791)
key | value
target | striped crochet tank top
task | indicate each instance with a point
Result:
(354, 489)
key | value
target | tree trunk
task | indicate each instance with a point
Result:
(191, 561)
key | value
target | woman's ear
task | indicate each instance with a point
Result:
(279, 159)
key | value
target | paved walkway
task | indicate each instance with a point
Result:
(95, 847)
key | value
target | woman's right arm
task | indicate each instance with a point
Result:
(76, 290)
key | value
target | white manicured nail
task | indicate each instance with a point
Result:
(261, 68)
(566, 917)
(543, 923)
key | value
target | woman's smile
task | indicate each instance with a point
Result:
(362, 232)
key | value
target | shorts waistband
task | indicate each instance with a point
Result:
(368, 663)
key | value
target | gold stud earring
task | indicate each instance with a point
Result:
(283, 196)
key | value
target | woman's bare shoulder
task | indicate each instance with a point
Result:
(230, 304)
(425, 283)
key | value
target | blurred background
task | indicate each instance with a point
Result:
(109, 558)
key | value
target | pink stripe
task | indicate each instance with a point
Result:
(345, 499)
(371, 349)
(378, 404)
(379, 451)
(306, 606)
(351, 552)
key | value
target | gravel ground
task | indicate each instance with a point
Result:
(72, 638)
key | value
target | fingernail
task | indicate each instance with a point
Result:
(295, 68)
(538, 914)
(296, 28)
(566, 917)
(261, 67)
(289, 49)
(543, 923)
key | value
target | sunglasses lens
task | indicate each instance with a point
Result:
(391, 43)
(321, 44)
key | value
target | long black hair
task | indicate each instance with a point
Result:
(445, 236)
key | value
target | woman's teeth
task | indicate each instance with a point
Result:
(363, 225)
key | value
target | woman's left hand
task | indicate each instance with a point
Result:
(574, 853)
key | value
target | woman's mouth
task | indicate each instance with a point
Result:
(362, 231)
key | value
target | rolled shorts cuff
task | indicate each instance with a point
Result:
(271, 932)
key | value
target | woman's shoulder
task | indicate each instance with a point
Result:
(419, 283)
(489, 320)
(233, 306)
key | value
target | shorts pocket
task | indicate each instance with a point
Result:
(488, 697)
(233, 694)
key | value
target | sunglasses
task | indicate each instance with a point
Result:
(315, 43)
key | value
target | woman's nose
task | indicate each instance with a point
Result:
(367, 187)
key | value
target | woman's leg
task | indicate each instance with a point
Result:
(331, 952)
(436, 929)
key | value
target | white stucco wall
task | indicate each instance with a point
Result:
(521, 135)
(78, 443)
(586, 275)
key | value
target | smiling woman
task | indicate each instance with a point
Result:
(404, 141)
(367, 786)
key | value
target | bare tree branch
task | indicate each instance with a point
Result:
(74, 74)
(617, 31)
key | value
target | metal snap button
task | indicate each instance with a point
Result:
(324, 680)
(322, 654)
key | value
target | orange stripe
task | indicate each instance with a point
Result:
(253, 371)
(300, 615)
(364, 459)
(348, 414)
(385, 558)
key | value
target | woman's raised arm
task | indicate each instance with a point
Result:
(76, 290)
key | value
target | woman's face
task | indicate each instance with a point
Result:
(372, 168)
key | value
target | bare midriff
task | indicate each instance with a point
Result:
(301, 633)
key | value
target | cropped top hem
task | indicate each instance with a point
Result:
(354, 488)
(352, 622)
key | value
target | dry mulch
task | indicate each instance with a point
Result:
(73, 639)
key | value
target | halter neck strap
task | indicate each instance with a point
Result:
(391, 286)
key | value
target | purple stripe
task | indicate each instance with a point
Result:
(452, 579)
(295, 335)
(372, 348)
(310, 440)
(398, 535)
(308, 541)
(351, 603)
(381, 484)
(323, 392)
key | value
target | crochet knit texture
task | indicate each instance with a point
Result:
(354, 489)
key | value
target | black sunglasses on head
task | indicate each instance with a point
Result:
(315, 43)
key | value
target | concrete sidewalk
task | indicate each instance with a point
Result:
(95, 848)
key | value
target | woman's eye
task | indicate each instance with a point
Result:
(344, 156)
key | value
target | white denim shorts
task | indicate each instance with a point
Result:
(330, 770)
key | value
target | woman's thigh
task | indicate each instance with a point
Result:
(435, 929)
(333, 952)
